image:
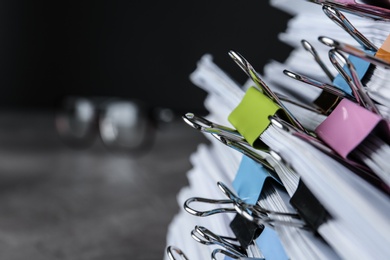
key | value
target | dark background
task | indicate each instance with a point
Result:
(133, 49)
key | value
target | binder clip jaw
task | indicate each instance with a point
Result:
(361, 170)
(245, 231)
(348, 125)
(347, 129)
(250, 117)
(309, 207)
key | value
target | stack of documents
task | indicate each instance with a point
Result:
(297, 165)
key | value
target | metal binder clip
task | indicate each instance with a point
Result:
(347, 48)
(204, 125)
(330, 96)
(246, 150)
(230, 255)
(223, 252)
(206, 237)
(250, 71)
(324, 86)
(260, 215)
(358, 168)
(257, 155)
(297, 103)
(307, 46)
(353, 81)
(172, 251)
(206, 213)
(337, 17)
(361, 170)
(254, 213)
(233, 248)
(356, 8)
(227, 136)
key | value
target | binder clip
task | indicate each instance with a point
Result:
(329, 97)
(348, 126)
(353, 80)
(308, 207)
(228, 136)
(375, 12)
(229, 244)
(173, 251)
(337, 17)
(252, 74)
(254, 213)
(352, 50)
(308, 47)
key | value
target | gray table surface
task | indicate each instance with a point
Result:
(61, 203)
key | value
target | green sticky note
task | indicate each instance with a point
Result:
(250, 117)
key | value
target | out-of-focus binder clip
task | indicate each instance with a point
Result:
(376, 12)
(173, 252)
(229, 244)
(353, 80)
(355, 51)
(308, 47)
(206, 237)
(229, 136)
(228, 255)
(330, 96)
(337, 17)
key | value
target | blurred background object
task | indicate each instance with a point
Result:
(121, 124)
(59, 63)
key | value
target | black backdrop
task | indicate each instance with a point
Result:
(133, 49)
